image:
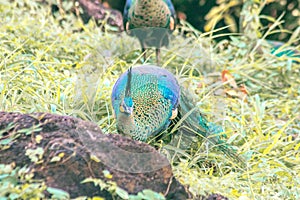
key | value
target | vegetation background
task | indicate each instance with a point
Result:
(53, 62)
(206, 15)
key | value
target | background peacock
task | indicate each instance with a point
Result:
(147, 98)
(151, 21)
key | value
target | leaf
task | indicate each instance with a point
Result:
(53, 108)
(38, 138)
(107, 174)
(55, 159)
(6, 141)
(229, 20)
(228, 78)
(277, 137)
(58, 193)
(61, 155)
(35, 155)
(95, 158)
(243, 89)
(98, 198)
(151, 195)
(297, 147)
(14, 196)
(122, 193)
(232, 93)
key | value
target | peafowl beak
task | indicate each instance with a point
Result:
(124, 108)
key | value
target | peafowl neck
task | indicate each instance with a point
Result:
(125, 123)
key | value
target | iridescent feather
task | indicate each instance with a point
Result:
(147, 98)
(144, 100)
(195, 124)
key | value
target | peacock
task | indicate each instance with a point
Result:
(279, 49)
(147, 98)
(151, 21)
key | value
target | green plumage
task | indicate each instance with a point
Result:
(151, 109)
(196, 125)
(144, 100)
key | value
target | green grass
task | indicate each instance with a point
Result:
(50, 67)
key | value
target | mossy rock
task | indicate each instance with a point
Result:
(74, 150)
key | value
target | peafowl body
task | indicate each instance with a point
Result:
(147, 98)
(151, 21)
(144, 100)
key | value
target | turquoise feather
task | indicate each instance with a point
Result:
(195, 124)
(144, 100)
(147, 98)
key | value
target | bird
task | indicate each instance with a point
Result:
(280, 49)
(151, 21)
(195, 125)
(148, 100)
(145, 100)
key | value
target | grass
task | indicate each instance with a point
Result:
(50, 67)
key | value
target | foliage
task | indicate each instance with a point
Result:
(7, 140)
(119, 192)
(207, 15)
(17, 183)
(234, 13)
(49, 66)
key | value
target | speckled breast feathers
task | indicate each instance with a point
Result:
(155, 96)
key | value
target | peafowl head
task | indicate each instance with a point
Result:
(126, 105)
(125, 119)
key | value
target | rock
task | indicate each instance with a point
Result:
(74, 150)
(87, 9)
(99, 12)
(214, 197)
